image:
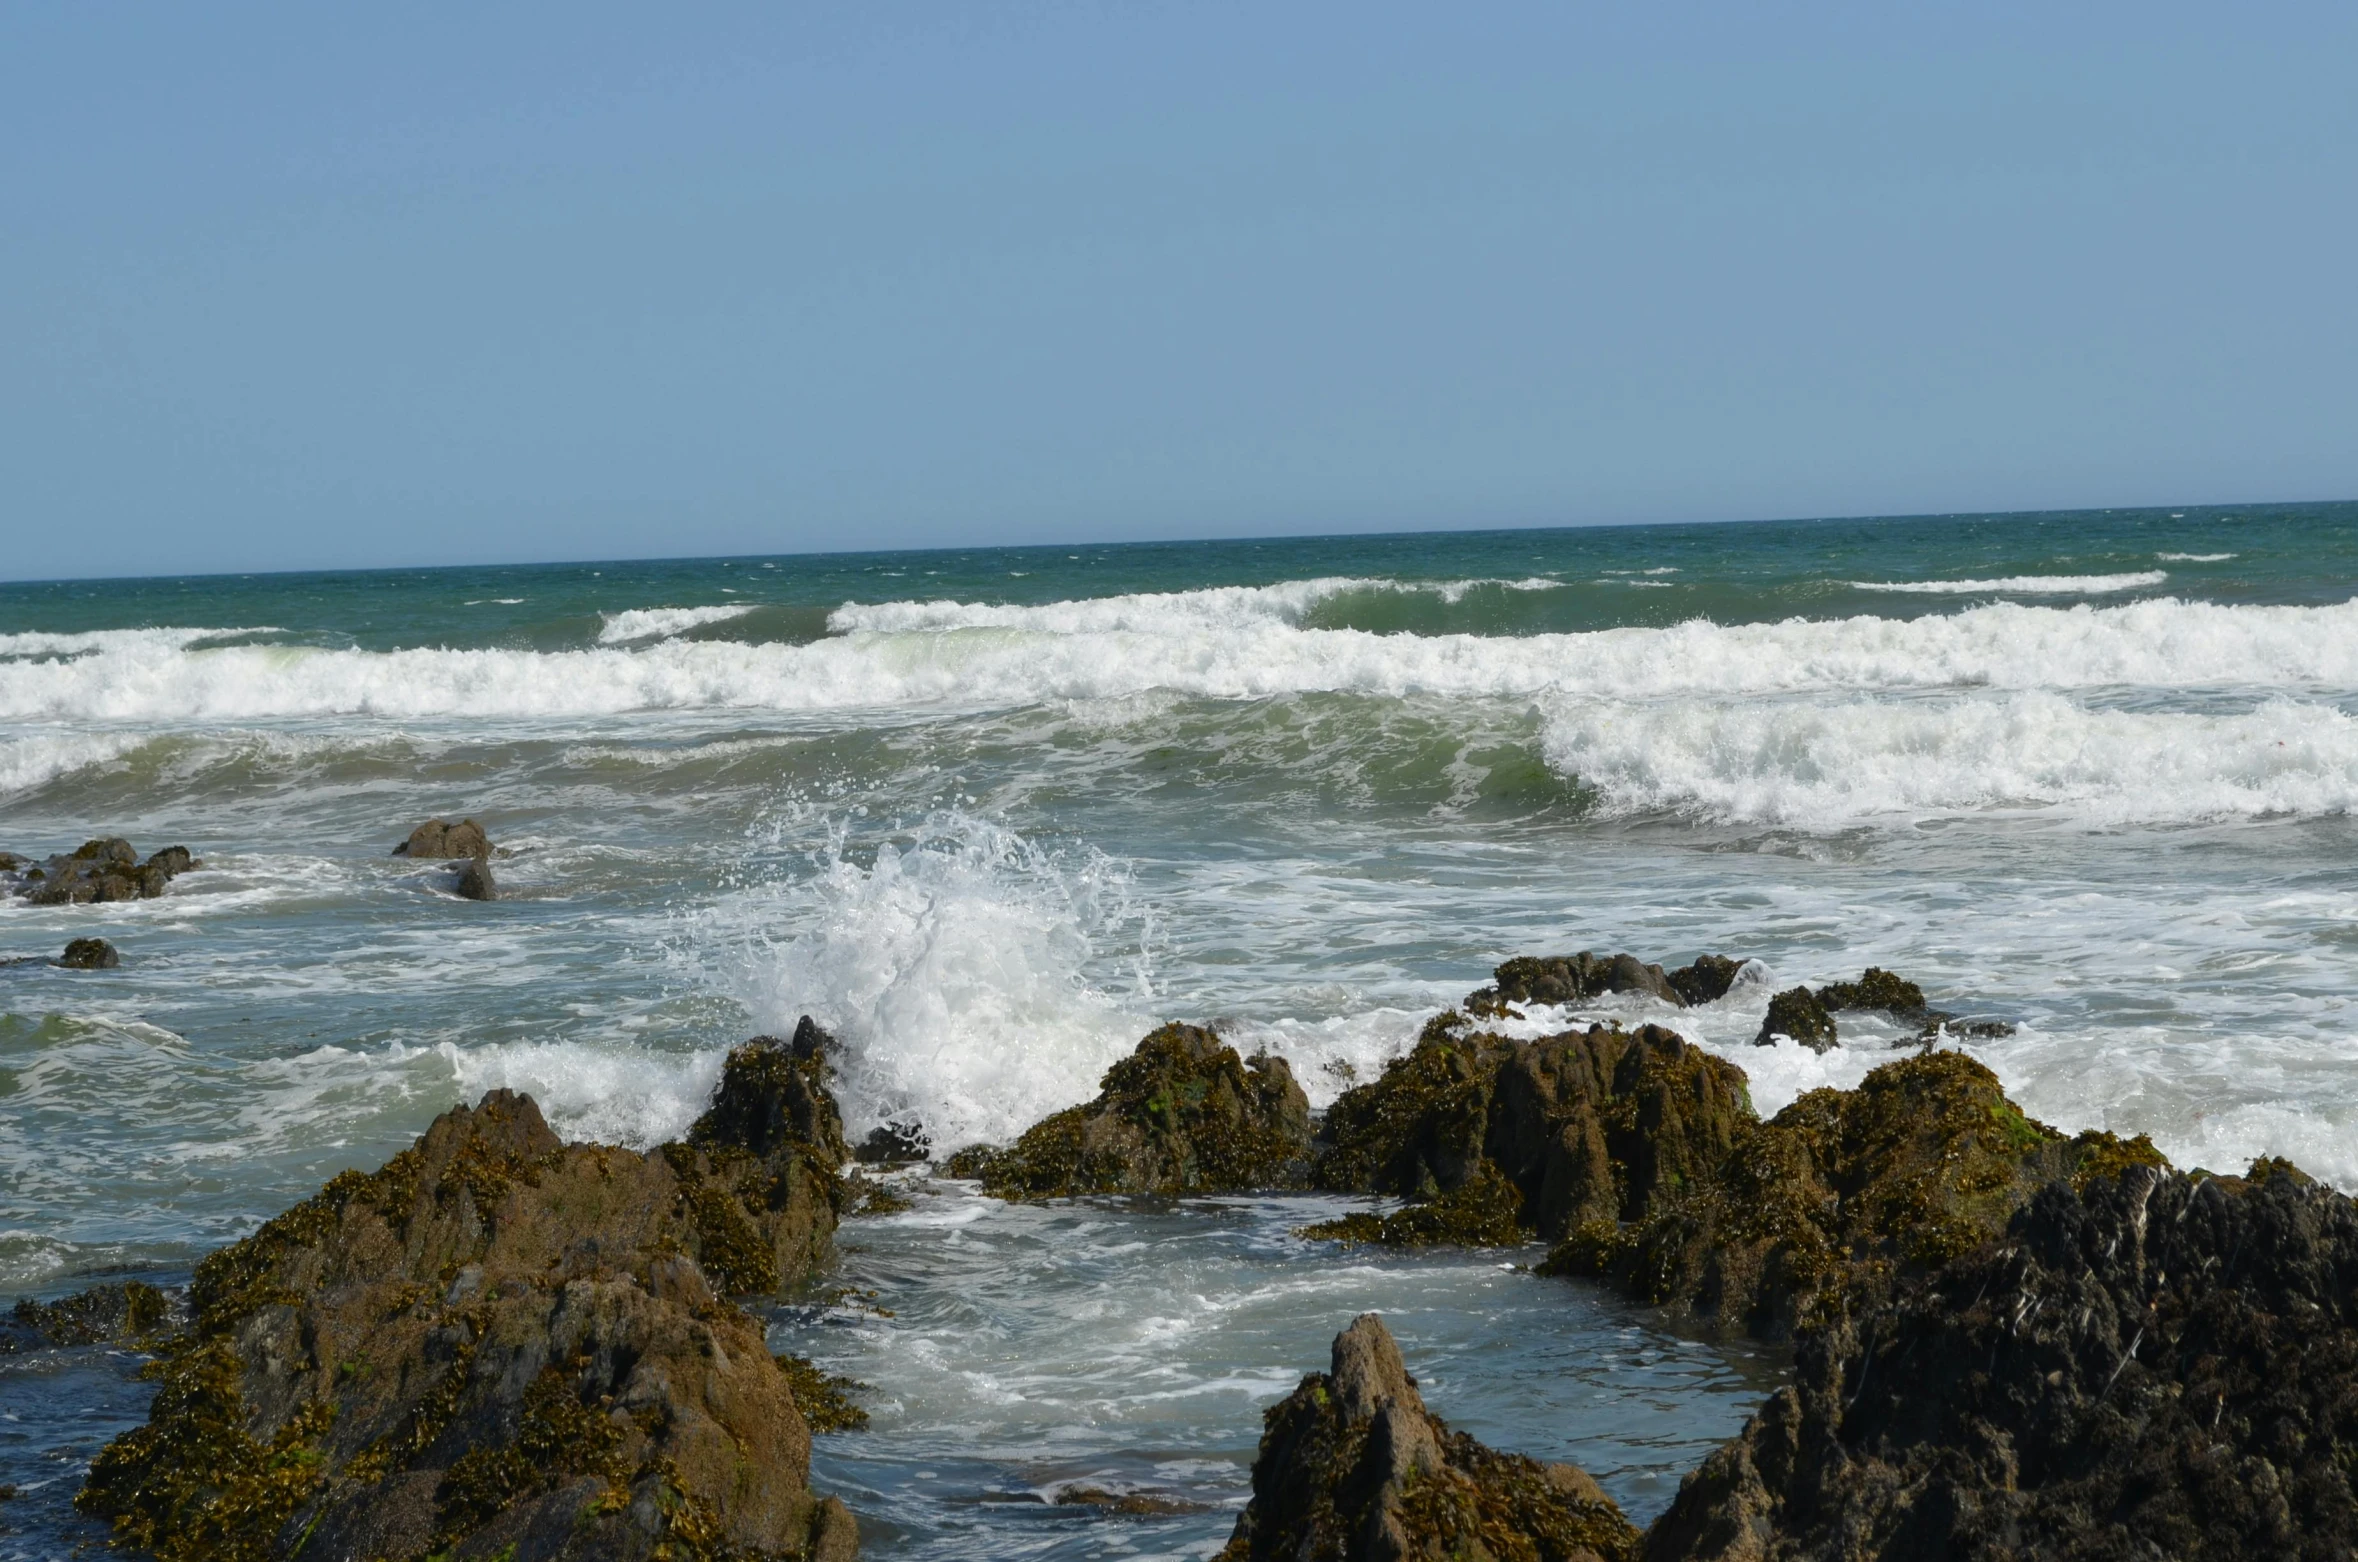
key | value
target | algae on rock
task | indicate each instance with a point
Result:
(499, 1343)
(1183, 1114)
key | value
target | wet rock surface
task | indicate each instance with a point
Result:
(106, 869)
(1798, 1015)
(1353, 1466)
(89, 954)
(438, 838)
(122, 1313)
(1183, 1114)
(500, 1344)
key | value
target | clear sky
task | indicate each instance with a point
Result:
(333, 285)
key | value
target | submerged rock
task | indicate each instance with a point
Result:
(474, 881)
(895, 1144)
(1798, 1014)
(106, 869)
(1574, 979)
(102, 1315)
(89, 954)
(1183, 1114)
(2150, 1365)
(501, 1344)
(1707, 980)
(438, 838)
(1353, 1467)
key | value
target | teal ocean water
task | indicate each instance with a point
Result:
(991, 814)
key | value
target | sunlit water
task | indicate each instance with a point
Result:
(992, 815)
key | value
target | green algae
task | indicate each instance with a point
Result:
(1418, 1128)
(824, 1398)
(1485, 1211)
(560, 1436)
(1797, 1012)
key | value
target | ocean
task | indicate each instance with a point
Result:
(991, 814)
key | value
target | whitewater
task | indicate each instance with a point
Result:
(990, 815)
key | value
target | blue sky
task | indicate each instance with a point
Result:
(313, 286)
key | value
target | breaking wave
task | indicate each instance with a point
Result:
(2032, 585)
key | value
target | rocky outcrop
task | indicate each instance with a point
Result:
(89, 954)
(1353, 1467)
(1506, 1139)
(103, 1315)
(106, 869)
(1183, 1114)
(503, 1345)
(2150, 1365)
(438, 838)
(1799, 1015)
(1561, 979)
(474, 881)
(1808, 1017)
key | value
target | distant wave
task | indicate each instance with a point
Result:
(1820, 764)
(2025, 585)
(649, 623)
(1155, 612)
(2194, 558)
(1125, 646)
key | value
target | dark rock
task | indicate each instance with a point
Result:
(1484, 1211)
(10, 862)
(106, 869)
(2147, 1365)
(1796, 1012)
(1706, 981)
(1877, 989)
(89, 954)
(895, 1144)
(438, 838)
(1128, 1504)
(475, 882)
(103, 1315)
(500, 1344)
(824, 1398)
(1580, 1126)
(1574, 979)
(1353, 1467)
(1183, 1114)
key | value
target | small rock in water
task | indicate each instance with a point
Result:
(101, 1315)
(90, 954)
(438, 838)
(475, 881)
(1797, 1013)
(895, 1144)
(101, 870)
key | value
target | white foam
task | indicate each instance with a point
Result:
(651, 623)
(1115, 647)
(2195, 558)
(952, 970)
(1156, 612)
(2024, 585)
(613, 1095)
(38, 758)
(1820, 763)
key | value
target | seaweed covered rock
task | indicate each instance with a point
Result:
(1182, 1114)
(1580, 1126)
(438, 838)
(475, 880)
(102, 1315)
(1797, 1013)
(1353, 1467)
(89, 954)
(1836, 1195)
(1706, 981)
(1574, 979)
(1877, 989)
(105, 869)
(2147, 1365)
(500, 1344)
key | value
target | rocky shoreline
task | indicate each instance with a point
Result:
(2007, 1341)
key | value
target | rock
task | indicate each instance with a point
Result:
(89, 954)
(895, 1144)
(1797, 1013)
(1706, 981)
(1574, 979)
(2148, 1365)
(475, 882)
(824, 1398)
(500, 1344)
(1820, 1208)
(1183, 1114)
(438, 838)
(1353, 1467)
(1877, 989)
(102, 870)
(103, 1315)
(1580, 1126)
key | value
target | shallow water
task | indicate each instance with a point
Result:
(1131, 1348)
(991, 815)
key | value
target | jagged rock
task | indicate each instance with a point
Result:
(475, 882)
(1354, 1468)
(1838, 1194)
(101, 1315)
(89, 954)
(500, 1344)
(1877, 989)
(895, 1144)
(438, 838)
(2150, 1365)
(1580, 1126)
(1707, 980)
(1183, 1114)
(1797, 1013)
(1574, 979)
(106, 869)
